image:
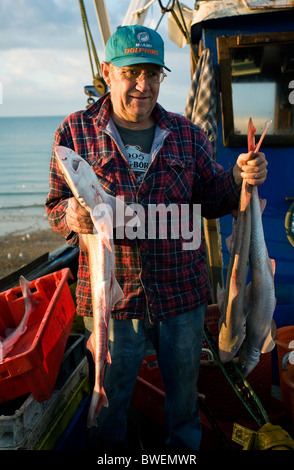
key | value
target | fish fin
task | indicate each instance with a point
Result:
(24, 284)
(220, 294)
(108, 357)
(273, 263)
(90, 345)
(101, 218)
(262, 203)
(26, 293)
(234, 286)
(98, 400)
(269, 344)
(118, 293)
(229, 243)
(122, 213)
(230, 240)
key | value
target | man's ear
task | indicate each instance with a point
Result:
(105, 69)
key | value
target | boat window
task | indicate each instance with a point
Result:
(256, 73)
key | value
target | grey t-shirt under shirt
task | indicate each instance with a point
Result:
(138, 145)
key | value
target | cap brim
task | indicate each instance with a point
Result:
(124, 62)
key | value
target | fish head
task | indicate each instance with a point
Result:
(247, 366)
(84, 185)
(248, 358)
(75, 170)
(228, 348)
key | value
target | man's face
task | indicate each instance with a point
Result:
(134, 92)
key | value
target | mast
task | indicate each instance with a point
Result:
(103, 20)
(137, 11)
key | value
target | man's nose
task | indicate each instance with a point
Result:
(142, 82)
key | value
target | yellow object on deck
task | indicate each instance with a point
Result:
(268, 437)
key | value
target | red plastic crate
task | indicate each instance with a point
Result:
(285, 335)
(32, 365)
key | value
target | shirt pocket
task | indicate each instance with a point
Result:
(105, 174)
(179, 180)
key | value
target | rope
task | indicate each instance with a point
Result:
(172, 11)
(98, 80)
(160, 19)
(89, 40)
(182, 26)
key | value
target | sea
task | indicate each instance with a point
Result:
(25, 153)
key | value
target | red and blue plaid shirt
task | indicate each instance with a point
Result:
(155, 273)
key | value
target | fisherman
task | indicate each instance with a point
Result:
(148, 157)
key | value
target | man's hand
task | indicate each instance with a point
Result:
(252, 167)
(78, 218)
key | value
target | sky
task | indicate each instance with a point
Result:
(44, 63)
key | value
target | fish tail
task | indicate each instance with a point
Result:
(98, 400)
(251, 131)
(90, 345)
(251, 135)
(262, 137)
(108, 357)
(107, 243)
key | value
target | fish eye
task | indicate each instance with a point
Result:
(75, 164)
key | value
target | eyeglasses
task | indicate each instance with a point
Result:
(136, 75)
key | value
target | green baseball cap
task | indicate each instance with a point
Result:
(135, 44)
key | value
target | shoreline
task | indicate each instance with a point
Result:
(18, 250)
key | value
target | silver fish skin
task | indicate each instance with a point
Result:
(233, 300)
(105, 293)
(259, 319)
(86, 188)
(105, 289)
(7, 344)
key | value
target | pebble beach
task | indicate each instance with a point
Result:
(19, 250)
